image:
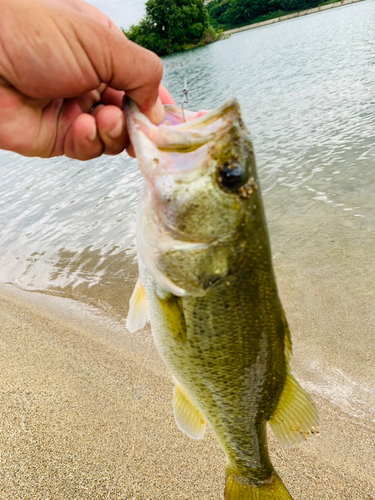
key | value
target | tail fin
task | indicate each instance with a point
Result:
(239, 488)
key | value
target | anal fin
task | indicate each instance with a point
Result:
(295, 419)
(188, 418)
(138, 313)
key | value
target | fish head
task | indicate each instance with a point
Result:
(199, 194)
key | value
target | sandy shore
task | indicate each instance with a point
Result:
(85, 413)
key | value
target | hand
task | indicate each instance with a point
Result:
(59, 59)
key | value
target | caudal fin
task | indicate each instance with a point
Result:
(239, 488)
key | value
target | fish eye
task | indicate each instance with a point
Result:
(231, 176)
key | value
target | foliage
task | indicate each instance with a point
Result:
(173, 25)
(235, 12)
(329, 1)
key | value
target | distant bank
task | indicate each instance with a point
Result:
(291, 16)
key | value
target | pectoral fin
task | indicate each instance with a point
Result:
(138, 314)
(188, 418)
(296, 418)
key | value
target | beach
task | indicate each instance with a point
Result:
(86, 413)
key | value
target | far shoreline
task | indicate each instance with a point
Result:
(290, 16)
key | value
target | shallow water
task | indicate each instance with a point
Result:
(307, 93)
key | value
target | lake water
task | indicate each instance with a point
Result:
(307, 93)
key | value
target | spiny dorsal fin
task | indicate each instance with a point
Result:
(188, 418)
(138, 313)
(296, 418)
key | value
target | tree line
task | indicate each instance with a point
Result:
(175, 25)
(235, 12)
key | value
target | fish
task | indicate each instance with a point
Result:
(207, 286)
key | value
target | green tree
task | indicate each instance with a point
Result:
(234, 12)
(171, 25)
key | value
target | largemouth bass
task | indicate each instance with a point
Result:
(207, 286)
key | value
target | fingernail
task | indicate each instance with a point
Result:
(92, 135)
(116, 131)
(157, 112)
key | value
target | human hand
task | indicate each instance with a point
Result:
(59, 59)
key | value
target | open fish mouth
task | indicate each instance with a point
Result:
(173, 134)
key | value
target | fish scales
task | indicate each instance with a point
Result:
(242, 398)
(211, 296)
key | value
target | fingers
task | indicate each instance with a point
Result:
(110, 123)
(93, 62)
(165, 96)
(82, 141)
(111, 127)
(66, 49)
(89, 136)
(125, 66)
(130, 150)
(112, 96)
(70, 111)
(66, 127)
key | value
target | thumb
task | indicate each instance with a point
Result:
(146, 82)
(135, 70)
(126, 65)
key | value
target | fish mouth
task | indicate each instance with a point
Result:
(174, 134)
(198, 119)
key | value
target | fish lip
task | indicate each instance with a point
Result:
(231, 102)
(211, 115)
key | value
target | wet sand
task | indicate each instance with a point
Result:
(85, 413)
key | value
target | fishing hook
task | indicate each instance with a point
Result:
(185, 100)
